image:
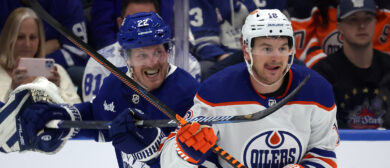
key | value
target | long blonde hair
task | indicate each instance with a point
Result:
(10, 33)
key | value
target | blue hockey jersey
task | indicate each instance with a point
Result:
(177, 92)
(67, 12)
(217, 28)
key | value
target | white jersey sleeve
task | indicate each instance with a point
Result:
(95, 73)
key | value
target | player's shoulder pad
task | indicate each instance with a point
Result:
(228, 85)
(317, 89)
(180, 80)
(111, 79)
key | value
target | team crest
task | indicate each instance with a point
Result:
(358, 3)
(332, 42)
(109, 107)
(274, 148)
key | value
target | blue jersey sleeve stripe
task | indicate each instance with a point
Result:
(323, 153)
(310, 163)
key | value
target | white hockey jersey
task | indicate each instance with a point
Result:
(304, 131)
(95, 73)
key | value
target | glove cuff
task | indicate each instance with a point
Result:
(74, 115)
(184, 155)
(151, 151)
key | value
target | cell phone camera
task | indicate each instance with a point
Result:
(49, 64)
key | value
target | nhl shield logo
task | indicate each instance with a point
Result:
(274, 148)
(271, 102)
(135, 98)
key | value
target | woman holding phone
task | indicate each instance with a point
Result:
(23, 37)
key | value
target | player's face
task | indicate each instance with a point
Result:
(150, 65)
(358, 29)
(27, 40)
(270, 58)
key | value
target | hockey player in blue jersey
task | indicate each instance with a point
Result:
(302, 133)
(145, 38)
(95, 73)
(71, 15)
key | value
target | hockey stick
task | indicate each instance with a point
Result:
(172, 123)
(122, 76)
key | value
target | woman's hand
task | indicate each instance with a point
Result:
(19, 76)
(54, 76)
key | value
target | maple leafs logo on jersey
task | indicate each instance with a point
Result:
(109, 107)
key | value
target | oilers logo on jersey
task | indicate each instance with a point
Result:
(272, 148)
(332, 42)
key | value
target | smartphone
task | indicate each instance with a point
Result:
(37, 66)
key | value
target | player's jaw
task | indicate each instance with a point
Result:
(269, 72)
(151, 77)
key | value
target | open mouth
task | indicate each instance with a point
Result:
(272, 67)
(151, 73)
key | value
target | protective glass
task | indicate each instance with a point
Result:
(267, 50)
(147, 56)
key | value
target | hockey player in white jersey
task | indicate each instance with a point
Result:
(302, 133)
(95, 73)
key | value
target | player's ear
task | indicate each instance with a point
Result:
(246, 51)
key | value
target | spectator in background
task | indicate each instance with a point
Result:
(315, 28)
(360, 74)
(217, 29)
(71, 15)
(95, 73)
(23, 36)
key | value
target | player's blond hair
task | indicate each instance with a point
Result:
(10, 33)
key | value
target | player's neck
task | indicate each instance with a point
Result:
(262, 89)
(361, 57)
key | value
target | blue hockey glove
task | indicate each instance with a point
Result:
(194, 142)
(141, 143)
(23, 117)
(36, 136)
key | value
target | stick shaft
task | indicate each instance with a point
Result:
(124, 78)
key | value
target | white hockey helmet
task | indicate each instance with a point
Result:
(267, 23)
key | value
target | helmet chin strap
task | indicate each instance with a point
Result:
(250, 70)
